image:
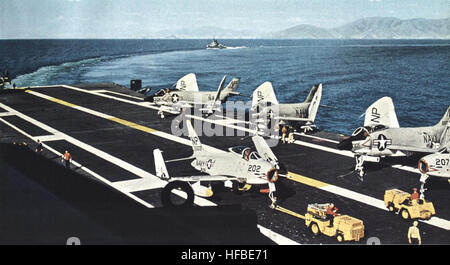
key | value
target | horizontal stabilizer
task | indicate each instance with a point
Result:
(160, 166)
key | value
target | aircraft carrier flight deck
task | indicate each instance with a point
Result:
(111, 133)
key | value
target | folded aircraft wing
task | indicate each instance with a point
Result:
(264, 150)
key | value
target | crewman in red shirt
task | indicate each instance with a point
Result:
(414, 195)
(331, 213)
(66, 158)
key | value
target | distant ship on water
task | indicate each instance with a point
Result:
(215, 45)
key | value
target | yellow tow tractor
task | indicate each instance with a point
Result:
(398, 201)
(345, 228)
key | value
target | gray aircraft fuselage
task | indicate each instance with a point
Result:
(253, 171)
(298, 110)
(387, 141)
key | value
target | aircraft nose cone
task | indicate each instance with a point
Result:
(345, 144)
(423, 166)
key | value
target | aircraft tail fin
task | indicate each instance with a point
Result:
(188, 83)
(381, 112)
(445, 137)
(264, 93)
(445, 119)
(314, 97)
(5, 76)
(160, 165)
(195, 141)
(230, 89)
(212, 105)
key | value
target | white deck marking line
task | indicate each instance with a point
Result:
(114, 160)
(277, 238)
(317, 137)
(74, 162)
(99, 90)
(339, 191)
(49, 138)
(4, 114)
(120, 94)
(133, 185)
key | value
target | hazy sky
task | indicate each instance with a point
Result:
(139, 18)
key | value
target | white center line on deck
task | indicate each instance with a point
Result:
(438, 222)
(49, 138)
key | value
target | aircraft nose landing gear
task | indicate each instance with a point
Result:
(423, 179)
(359, 161)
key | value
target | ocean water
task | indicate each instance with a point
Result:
(354, 73)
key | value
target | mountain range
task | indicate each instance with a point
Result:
(372, 28)
(365, 28)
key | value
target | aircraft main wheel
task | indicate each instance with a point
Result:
(405, 214)
(166, 195)
(315, 229)
(340, 238)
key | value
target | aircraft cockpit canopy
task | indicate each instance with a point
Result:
(245, 152)
(162, 92)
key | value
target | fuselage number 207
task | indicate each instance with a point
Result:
(442, 162)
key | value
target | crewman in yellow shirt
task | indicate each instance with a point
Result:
(414, 234)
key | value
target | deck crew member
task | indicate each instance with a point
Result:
(291, 135)
(66, 158)
(414, 234)
(39, 147)
(331, 213)
(415, 195)
(283, 134)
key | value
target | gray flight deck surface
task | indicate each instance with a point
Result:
(321, 172)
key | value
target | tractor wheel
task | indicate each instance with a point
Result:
(314, 229)
(340, 238)
(391, 207)
(405, 214)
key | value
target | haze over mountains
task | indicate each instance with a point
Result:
(366, 28)
(373, 28)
